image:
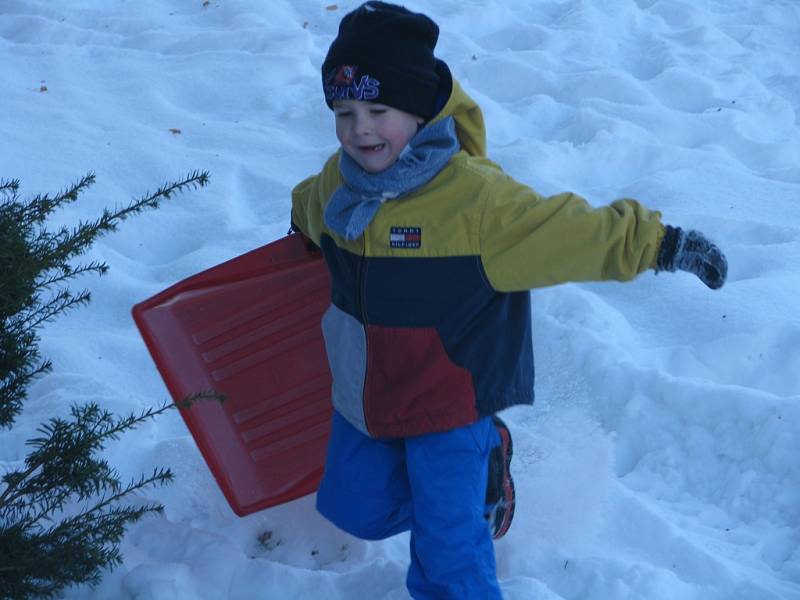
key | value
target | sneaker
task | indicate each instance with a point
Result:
(500, 498)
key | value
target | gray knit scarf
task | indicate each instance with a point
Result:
(353, 205)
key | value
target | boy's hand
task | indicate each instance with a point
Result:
(693, 252)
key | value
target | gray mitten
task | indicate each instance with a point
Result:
(693, 252)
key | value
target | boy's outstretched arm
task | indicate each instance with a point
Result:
(528, 241)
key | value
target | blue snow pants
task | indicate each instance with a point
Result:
(433, 485)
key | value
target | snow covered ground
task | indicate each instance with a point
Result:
(662, 459)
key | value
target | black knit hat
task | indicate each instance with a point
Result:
(384, 53)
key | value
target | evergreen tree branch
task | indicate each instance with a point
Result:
(64, 481)
(19, 364)
(86, 233)
(33, 317)
(38, 209)
(62, 444)
(160, 476)
(10, 186)
(202, 395)
(69, 273)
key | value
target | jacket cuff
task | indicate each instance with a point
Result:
(665, 260)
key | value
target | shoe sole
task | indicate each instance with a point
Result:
(509, 493)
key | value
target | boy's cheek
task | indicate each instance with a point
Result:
(341, 134)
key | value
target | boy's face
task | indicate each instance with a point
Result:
(373, 134)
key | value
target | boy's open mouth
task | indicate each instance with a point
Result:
(374, 148)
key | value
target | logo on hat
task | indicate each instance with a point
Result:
(345, 75)
(341, 84)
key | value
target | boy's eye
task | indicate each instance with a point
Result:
(377, 111)
(343, 113)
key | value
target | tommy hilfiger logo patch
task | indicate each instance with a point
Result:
(405, 237)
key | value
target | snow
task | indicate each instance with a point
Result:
(661, 458)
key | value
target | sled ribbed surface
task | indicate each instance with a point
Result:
(250, 329)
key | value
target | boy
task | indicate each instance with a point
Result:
(432, 251)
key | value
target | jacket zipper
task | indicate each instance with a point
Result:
(362, 291)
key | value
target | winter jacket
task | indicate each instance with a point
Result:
(429, 326)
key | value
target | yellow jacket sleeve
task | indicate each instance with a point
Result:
(309, 198)
(528, 241)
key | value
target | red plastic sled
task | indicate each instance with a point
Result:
(250, 329)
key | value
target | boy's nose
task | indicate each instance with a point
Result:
(362, 125)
